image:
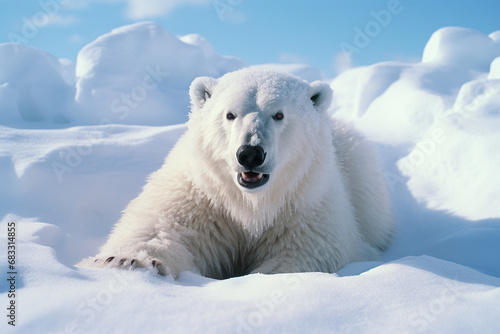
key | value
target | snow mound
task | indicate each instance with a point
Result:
(454, 165)
(443, 114)
(139, 74)
(36, 89)
(396, 103)
(461, 47)
(495, 69)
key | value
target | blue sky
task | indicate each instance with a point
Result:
(259, 31)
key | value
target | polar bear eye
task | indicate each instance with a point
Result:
(230, 116)
(278, 116)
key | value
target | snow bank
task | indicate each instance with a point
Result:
(137, 74)
(454, 165)
(80, 178)
(36, 89)
(495, 69)
(140, 74)
(444, 114)
(396, 103)
(461, 47)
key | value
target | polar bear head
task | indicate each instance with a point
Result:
(257, 129)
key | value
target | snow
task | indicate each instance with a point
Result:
(474, 50)
(495, 69)
(442, 114)
(395, 103)
(140, 74)
(466, 151)
(69, 164)
(29, 81)
(137, 74)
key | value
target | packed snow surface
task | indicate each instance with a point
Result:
(77, 142)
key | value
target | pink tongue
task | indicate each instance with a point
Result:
(251, 177)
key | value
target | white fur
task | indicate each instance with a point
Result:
(325, 203)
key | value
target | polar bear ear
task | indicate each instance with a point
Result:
(321, 95)
(201, 90)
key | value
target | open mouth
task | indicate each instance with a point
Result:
(252, 180)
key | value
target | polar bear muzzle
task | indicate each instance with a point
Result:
(251, 158)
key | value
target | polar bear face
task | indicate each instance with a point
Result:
(255, 124)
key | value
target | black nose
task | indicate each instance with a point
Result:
(251, 156)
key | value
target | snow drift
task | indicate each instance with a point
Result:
(140, 74)
(444, 115)
(137, 74)
(35, 88)
(435, 124)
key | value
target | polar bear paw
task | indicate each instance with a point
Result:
(127, 263)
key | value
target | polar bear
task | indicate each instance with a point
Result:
(262, 181)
